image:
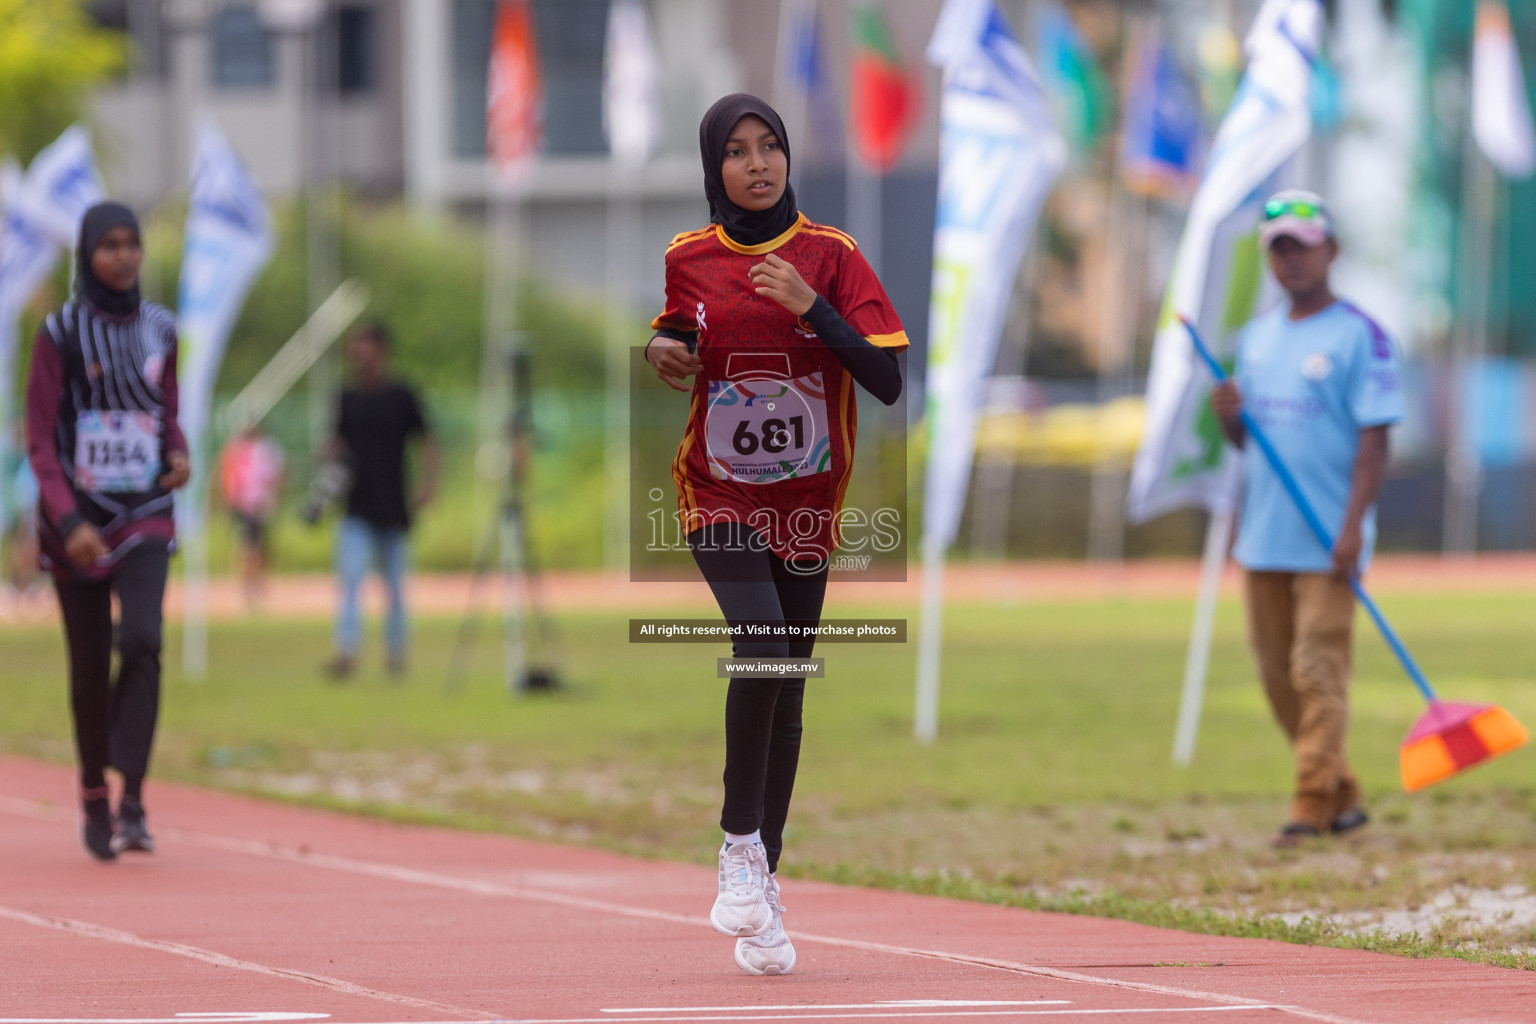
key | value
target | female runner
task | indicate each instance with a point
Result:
(775, 317)
(107, 451)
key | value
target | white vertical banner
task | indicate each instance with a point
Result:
(1182, 461)
(632, 123)
(39, 215)
(631, 84)
(1501, 111)
(1502, 132)
(228, 239)
(1000, 154)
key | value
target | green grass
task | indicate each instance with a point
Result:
(1050, 785)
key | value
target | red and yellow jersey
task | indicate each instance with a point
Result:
(771, 429)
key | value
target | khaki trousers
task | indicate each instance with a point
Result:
(1299, 626)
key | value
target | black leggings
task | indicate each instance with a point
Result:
(762, 716)
(115, 720)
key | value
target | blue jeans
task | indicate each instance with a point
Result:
(358, 543)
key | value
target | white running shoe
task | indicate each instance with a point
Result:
(770, 952)
(742, 907)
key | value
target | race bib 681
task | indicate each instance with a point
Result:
(762, 430)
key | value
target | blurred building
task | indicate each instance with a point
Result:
(387, 98)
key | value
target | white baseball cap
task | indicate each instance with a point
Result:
(1299, 214)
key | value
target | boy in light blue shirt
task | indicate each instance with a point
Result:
(1323, 381)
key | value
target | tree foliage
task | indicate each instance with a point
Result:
(51, 54)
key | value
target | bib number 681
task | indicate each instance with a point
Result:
(776, 436)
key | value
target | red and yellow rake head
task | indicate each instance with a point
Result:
(1451, 738)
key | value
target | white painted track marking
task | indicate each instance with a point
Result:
(743, 1017)
(275, 851)
(218, 1017)
(208, 956)
(232, 1017)
(887, 1004)
(946, 1013)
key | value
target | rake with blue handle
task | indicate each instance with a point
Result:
(1448, 738)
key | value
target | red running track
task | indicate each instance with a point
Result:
(256, 911)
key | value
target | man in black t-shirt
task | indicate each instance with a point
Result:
(376, 416)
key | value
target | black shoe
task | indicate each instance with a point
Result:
(96, 830)
(1349, 820)
(1293, 835)
(340, 668)
(132, 829)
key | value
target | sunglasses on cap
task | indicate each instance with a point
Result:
(1297, 207)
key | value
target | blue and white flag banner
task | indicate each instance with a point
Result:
(39, 215)
(26, 256)
(803, 92)
(1182, 461)
(1000, 154)
(61, 184)
(228, 240)
(1160, 140)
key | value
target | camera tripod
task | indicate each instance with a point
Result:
(530, 643)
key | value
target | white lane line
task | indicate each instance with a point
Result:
(1237, 1002)
(276, 851)
(35, 809)
(898, 1014)
(887, 1004)
(395, 873)
(217, 1017)
(726, 1017)
(208, 956)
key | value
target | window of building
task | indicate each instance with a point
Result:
(140, 21)
(473, 21)
(242, 48)
(355, 49)
(570, 36)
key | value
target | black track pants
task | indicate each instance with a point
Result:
(115, 719)
(762, 716)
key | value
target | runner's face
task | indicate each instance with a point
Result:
(115, 260)
(755, 168)
(1299, 268)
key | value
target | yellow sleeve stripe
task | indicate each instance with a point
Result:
(689, 236)
(686, 502)
(847, 421)
(897, 340)
(676, 325)
(821, 229)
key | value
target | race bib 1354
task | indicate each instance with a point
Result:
(117, 451)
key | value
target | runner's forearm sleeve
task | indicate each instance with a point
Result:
(45, 386)
(876, 369)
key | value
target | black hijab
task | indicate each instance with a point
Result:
(96, 222)
(746, 227)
